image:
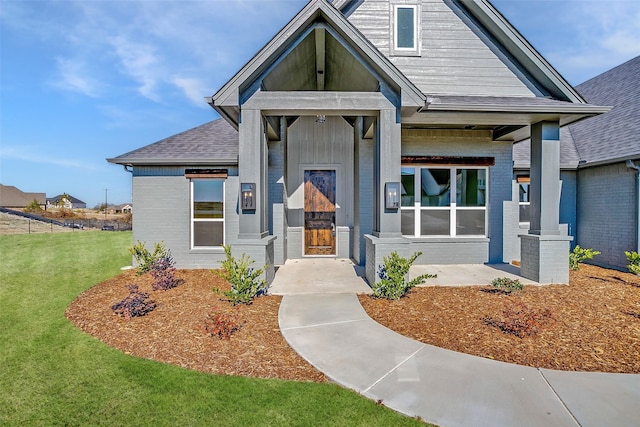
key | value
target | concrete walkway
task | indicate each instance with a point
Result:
(332, 331)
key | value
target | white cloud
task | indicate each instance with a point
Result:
(194, 89)
(75, 77)
(35, 154)
(139, 61)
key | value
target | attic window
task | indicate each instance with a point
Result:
(405, 28)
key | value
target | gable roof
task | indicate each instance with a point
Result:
(614, 136)
(215, 142)
(519, 48)
(227, 100)
(11, 196)
(71, 199)
(607, 138)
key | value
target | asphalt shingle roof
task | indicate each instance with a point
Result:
(609, 137)
(212, 142)
(616, 134)
(568, 153)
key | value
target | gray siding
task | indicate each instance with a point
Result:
(327, 145)
(461, 143)
(453, 59)
(275, 199)
(163, 214)
(607, 213)
(364, 198)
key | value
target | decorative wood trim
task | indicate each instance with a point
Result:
(449, 160)
(205, 173)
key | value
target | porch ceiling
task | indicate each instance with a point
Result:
(320, 63)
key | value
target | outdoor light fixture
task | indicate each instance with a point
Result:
(248, 195)
(392, 195)
(321, 118)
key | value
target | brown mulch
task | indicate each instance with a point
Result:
(175, 331)
(595, 324)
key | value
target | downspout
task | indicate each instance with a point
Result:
(632, 165)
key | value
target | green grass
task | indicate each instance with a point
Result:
(51, 373)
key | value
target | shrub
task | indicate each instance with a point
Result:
(244, 279)
(521, 320)
(580, 254)
(507, 285)
(33, 207)
(222, 324)
(164, 273)
(136, 304)
(144, 258)
(393, 274)
(634, 260)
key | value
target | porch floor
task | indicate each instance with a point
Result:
(342, 276)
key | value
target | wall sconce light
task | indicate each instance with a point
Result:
(321, 118)
(248, 196)
(392, 195)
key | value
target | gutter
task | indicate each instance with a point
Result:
(632, 165)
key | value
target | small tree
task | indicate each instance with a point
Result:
(33, 207)
(243, 278)
(393, 282)
(580, 254)
(634, 262)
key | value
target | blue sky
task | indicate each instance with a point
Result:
(81, 81)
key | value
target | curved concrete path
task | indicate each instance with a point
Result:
(333, 332)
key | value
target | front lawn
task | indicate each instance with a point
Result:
(54, 374)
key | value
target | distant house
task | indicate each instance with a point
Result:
(11, 197)
(600, 165)
(366, 127)
(65, 201)
(123, 208)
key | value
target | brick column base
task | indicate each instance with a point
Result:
(545, 258)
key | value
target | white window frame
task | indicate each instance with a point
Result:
(528, 194)
(453, 209)
(417, 33)
(193, 220)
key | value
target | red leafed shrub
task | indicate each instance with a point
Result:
(521, 320)
(222, 324)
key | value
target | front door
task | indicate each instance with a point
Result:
(320, 212)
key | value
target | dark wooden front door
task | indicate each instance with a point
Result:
(320, 212)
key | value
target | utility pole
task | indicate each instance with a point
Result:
(105, 205)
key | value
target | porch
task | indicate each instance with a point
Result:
(326, 275)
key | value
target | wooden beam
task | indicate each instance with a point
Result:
(320, 34)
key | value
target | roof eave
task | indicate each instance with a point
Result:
(173, 162)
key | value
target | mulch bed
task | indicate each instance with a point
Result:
(175, 331)
(595, 324)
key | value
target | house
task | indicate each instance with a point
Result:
(12, 197)
(65, 201)
(365, 127)
(600, 163)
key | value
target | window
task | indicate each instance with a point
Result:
(207, 213)
(405, 27)
(443, 201)
(405, 34)
(524, 198)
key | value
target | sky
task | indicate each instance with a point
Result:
(82, 81)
